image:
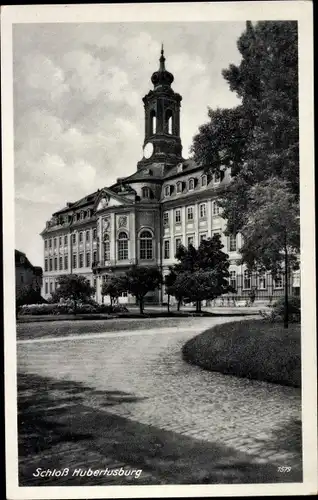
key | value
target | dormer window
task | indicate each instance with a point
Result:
(82, 215)
(204, 180)
(191, 184)
(146, 192)
(179, 168)
(217, 178)
(167, 191)
(179, 187)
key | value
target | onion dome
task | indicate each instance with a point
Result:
(162, 76)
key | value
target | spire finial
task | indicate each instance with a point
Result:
(162, 60)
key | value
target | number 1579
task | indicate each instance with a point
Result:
(283, 469)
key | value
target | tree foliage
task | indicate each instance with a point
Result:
(272, 228)
(74, 287)
(114, 287)
(140, 280)
(201, 274)
(258, 139)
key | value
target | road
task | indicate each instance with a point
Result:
(159, 389)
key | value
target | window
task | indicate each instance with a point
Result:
(51, 287)
(50, 243)
(60, 240)
(178, 243)
(61, 263)
(202, 237)
(95, 284)
(65, 262)
(74, 261)
(262, 281)
(55, 242)
(202, 210)
(88, 259)
(55, 263)
(247, 280)
(94, 234)
(168, 126)
(51, 264)
(82, 215)
(166, 218)
(122, 246)
(191, 184)
(146, 192)
(217, 177)
(179, 187)
(81, 237)
(106, 247)
(152, 122)
(87, 235)
(278, 281)
(190, 240)
(65, 240)
(166, 250)
(74, 237)
(45, 244)
(190, 213)
(233, 279)
(177, 216)
(95, 257)
(81, 260)
(145, 245)
(215, 208)
(204, 180)
(46, 267)
(46, 287)
(232, 243)
(167, 191)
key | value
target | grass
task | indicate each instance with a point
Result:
(254, 349)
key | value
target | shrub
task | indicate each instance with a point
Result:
(276, 310)
(67, 307)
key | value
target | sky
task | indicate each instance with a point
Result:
(78, 111)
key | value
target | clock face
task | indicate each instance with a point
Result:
(148, 150)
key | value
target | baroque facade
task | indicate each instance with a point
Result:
(142, 218)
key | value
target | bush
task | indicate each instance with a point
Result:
(276, 310)
(67, 307)
(252, 349)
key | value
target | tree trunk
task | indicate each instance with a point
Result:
(286, 286)
(168, 303)
(198, 306)
(75, 307)
(179, 304)
(141, 305)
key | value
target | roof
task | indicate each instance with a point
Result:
(22, 260)
(188, 166)
(87, 200)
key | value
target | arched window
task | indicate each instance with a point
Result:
(179, 187)
(204, 180)
(191, 184)
(122, 246)
(146, 192)
(153, 122)
(168, 121)
(106, 247)
(145, 249)
(167, 191)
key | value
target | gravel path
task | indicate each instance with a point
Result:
(255, 417)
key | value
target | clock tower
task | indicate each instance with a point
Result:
(162, 142)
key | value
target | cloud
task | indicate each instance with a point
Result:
(78, 107)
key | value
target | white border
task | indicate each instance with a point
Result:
(177, 12)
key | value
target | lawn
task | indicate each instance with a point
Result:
(254, 349)
(60, 328)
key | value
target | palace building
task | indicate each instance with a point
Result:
(142, 218)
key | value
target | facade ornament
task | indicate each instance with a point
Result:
(106, 223)
(122, 221)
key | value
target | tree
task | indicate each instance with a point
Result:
(74, 287)
(259, 138)
(201, 285)
(271, 239)
(27, 295)
(141, 280)
(201, 273)
(113, 287)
